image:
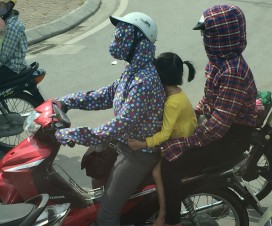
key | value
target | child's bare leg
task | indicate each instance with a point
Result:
(156, 173)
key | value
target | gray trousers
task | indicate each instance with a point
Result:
(128, 172)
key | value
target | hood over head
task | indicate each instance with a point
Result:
(123, 41)
(225, 32)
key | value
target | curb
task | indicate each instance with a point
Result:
(63, 24)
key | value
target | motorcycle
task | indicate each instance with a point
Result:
(33, 212)
(17, 98)
(213, 195)
(257, 172)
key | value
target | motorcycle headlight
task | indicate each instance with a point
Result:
(29, 124)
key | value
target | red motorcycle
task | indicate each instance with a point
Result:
(28, 170)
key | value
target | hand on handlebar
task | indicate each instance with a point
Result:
(62, 105)
(71, 143)
(64, 137)
(79, 135)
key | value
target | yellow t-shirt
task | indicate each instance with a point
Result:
(179, 120)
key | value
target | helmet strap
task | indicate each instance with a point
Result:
(135, 42)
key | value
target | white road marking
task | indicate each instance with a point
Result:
(118, 12)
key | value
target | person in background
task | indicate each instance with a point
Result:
(137, 99)
(228, 105)
(2, 32)
(179, 119)
(14, 44)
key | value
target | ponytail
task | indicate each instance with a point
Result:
(192, 70)
(170, 68)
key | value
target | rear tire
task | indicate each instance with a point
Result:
(223, 206)
(24, 104)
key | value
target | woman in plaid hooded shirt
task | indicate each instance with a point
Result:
(228, 105)
(14, 43)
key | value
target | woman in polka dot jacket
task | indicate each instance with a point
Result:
(137, 98)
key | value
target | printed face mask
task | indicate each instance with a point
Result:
(123, 39)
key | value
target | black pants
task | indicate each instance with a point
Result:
(233, 144)
(7, 75)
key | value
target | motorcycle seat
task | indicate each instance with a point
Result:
(29, 69)
(14, 81)
(14, 214)
(222, 167)
(26, 70)
(24, 74)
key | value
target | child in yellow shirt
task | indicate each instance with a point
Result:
(179, 119)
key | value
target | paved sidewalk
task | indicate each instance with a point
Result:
(46, 18)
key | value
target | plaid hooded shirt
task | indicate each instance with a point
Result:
(14, 46)
(137, 97)
(230, 91)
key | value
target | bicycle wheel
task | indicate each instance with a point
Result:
(218, 207)
(262, 186)
(23, 104)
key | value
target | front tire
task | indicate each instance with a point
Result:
(24, 104)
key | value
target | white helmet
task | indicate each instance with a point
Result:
(141, 21)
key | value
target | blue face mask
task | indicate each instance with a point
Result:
(123, 39)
